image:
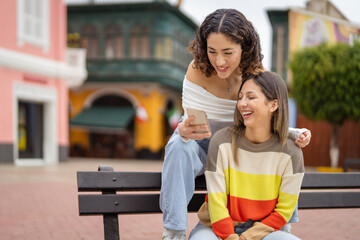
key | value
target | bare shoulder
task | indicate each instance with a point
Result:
(194, 74)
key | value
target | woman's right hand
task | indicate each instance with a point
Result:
(186, 130)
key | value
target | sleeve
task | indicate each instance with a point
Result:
(216, 183)
(287, 199)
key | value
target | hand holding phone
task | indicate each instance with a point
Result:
(200, 119)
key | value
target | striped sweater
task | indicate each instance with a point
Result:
(262, 184)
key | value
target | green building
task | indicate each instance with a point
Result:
(136, 60)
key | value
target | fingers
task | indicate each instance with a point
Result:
(199, 136)
(194, 132)
(307, 135)
(199, 132)
(300, 143)
(188, 121)
(303, 139)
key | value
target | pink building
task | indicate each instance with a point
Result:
(36, 71)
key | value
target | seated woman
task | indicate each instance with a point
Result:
(253, 171)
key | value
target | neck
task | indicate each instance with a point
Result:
(258, 135)
(233, 82)
(234, 77)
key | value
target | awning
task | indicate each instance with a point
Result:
(103, 117)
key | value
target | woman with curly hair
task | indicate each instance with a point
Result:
(226, 49)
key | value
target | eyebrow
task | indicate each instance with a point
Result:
(225, 49)
(249, 92)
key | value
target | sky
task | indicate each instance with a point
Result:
(255, 11)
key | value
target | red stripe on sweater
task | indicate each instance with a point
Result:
(223, 228)
(275, 220)
(242, 209)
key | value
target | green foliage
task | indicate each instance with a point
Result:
(326, 82)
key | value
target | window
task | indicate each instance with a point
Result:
(163, 48)
(140, 43)
(180, 53)
(114, 42)
(89, 41)
(33, 23)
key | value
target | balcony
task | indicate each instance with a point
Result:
(165, 72)
(76, 64)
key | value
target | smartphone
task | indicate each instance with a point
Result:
(200, 118)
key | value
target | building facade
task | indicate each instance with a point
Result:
(297, 28)
(36, 70)
(136, 60)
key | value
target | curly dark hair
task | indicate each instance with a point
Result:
(239, 30)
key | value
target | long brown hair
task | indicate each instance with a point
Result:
(234, 25)
(273, 87)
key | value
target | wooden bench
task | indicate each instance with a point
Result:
(348, 162)
(138, 192)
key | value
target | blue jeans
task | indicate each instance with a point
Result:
(183, 162)
(201, 232)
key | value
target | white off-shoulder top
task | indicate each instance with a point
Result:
(219, 111)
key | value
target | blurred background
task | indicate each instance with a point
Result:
(103, 78)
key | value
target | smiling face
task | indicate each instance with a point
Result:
(224, 55)
(255, 109)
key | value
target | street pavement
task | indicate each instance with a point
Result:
(40, 203)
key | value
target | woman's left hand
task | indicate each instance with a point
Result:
(304, 139)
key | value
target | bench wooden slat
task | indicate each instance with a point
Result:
(90, 204)
(96, 181)
(118, 203)
(330, 180)
(315, 200)
(124, 181)
(130, 181)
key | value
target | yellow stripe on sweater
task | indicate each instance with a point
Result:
(287, 205)
(253, 186)
(218, 209)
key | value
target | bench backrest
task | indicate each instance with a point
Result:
(147, 186)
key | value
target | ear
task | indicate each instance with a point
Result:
(274, 105)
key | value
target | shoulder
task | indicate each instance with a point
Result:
(296, 155)
(194, 74)
(222, 136)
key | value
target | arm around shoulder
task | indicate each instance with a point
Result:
(301, 136)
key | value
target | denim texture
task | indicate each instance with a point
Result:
(182, 164)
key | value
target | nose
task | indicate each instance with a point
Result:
(241, 103)
(220, 60)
